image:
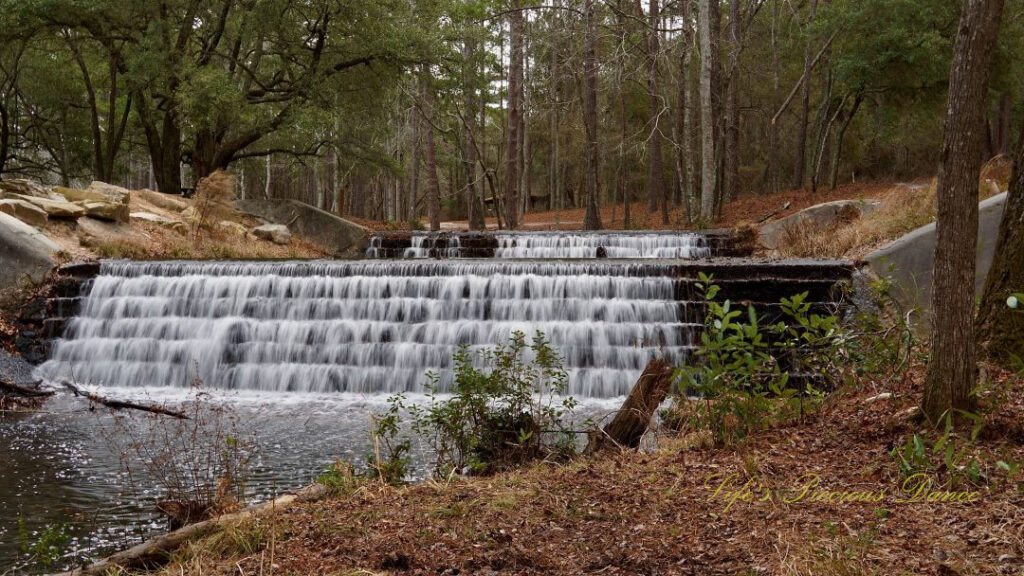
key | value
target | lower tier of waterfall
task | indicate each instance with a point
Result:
(365, 327)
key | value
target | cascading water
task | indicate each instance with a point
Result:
(367, 327)
(559, 245)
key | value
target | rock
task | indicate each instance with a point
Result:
(103, 210)
(276, 233)
(26, 252)
(190, 215)
(165, 201)
(177, 226)
(232, 228)
(24, 211)
(877, 397)
(56, 209)
(22, 187)
(101, 200)
(818, 216)
(335, 235)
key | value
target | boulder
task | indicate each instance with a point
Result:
(100, 200)
(10, 188)
(57, 209)
(233, 228)
(164, 201)
(191, 215)
(164, 221)
(335, 235)
(26, 251)
(819, 216)
(24, 211)
(276, 233)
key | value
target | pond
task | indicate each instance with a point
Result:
(62, 478)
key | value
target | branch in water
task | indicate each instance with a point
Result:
(121, 405)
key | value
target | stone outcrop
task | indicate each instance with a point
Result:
(10, 188)
(24, 211)
(176, 225)
(100, 200)
(908, 261)
(161, 200)
(27, 252)
(335, 235)
(55, 209)
(276, 233)
(817, 217)
(233, 228)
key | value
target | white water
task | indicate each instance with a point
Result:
(364, 327)
(562, 245)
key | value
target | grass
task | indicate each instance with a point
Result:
(214, 246)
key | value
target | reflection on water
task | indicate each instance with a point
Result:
(58, 466)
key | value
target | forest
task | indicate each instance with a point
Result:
(436, 109)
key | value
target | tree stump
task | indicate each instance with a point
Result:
(634, 417)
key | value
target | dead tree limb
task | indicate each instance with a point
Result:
(122, 405)
(8, 387)
(634, 417)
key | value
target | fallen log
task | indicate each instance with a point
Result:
(773, 213)
(158, 550)
(8, 387)
(634, 417)
(122, 405)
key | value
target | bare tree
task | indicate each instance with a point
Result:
(952, 367)
(805, 107)
(515, 98)
(707, 111)
(655, 168)
(433, 184)
(592, 220)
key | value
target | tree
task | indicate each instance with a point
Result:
(1000, 333)
(805, 107)
(655, 169)
(433, 184)
(708, 106)
(952, 366)
(592, 219)
(515, 99)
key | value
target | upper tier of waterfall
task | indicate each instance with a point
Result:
(368, 327)
(559, 245)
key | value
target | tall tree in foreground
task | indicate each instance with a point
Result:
(592, 219)
(952, 367)
(1001, 333)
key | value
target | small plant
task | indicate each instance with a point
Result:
(45, 547)
(948, 455)
(213, 198)
(390, 459)
(199, 464)
(339, 478)
(500, 415)
(742, 372)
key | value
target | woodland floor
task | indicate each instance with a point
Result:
(653, 512)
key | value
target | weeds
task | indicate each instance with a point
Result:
(200, 464)
(45, 547)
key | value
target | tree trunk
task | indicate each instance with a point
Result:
(655, 167)
(952, 367)
(837, 150)
(773, 129)
(690, 133)
(414, 176)
(1000, 331)
(707, 116)
(474, 208)
(515, 95)
(433, 185)
(805, 108)
(731, 174)
(592, 219)
(634, 417)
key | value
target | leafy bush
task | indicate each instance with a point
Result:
(389, 459)
(743, 370)
(500, 415)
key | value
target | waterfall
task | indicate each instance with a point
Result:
(368, 326)
(551, 245)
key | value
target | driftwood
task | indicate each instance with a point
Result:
(158, 550)
(8, 387)
(634, 417)
(773, 213)
(122, 405)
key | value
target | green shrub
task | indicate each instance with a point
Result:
(501, 415)
(738, 374)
